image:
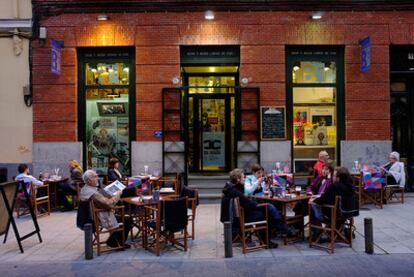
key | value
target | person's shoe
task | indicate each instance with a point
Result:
(66, 209)
(273, 244)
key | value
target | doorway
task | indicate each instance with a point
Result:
(209, 93)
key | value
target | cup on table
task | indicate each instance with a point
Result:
(298, 190)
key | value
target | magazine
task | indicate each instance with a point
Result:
(114, 187)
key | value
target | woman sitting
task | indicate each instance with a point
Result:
(395, 170)
(253, 183)
(113, 172)
(321, 183)
(69, 188)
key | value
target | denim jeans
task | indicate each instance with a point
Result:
(317, 212)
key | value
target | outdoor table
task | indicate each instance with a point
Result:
(53, 184)
(289, 200)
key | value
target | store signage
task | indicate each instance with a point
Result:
(158, 134)
(365, 54)
(210, 54)
(56, 57)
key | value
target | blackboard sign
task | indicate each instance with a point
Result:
(273, 123)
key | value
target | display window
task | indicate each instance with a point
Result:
(313, 96)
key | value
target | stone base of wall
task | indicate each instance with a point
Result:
(51, 155)
(146, 153)
(275, 151)
(364, 151)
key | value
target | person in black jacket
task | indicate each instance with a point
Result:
(69, 188)
(252, 210)
(113, 172)
(343, 186)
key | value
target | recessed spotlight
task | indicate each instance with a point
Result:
(316, 16)
(102, 17)
(209, 15)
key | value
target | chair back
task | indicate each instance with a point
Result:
(84, 214)
(347, 207)
(174, 214)
(190, 193)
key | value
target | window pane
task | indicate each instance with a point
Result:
(211, 84)
(313, 72)
(107, 128)
(314, 95)
(107, 74)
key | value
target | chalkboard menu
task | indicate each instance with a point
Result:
(273, 123)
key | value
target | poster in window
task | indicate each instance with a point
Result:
(300, 119)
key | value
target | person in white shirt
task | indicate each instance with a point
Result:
(253, 183)
(24, 175)
(395, 170)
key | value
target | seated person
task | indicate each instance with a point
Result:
(321, 183)
(253, 183)
(69, 188)
(343, 186)
(24, 175)
(395, 170)
(91, 192)
(323, 159)
(113, 172)
(253, 212)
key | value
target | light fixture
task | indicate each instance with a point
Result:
(316, 16)
(327, 66)
(209, 15)
(126, 69)
(296, 66)
(102, 17)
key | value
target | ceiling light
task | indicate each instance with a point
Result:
(327, 66)
(317, 15)
(209, 15)
(102, 17)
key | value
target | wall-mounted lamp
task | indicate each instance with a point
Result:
(102, 17)
(317, 16)
(27, 96)
(296, 66)
(209, 15)
(327, 66)
(175, 80)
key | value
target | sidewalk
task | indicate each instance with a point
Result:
(63, 242)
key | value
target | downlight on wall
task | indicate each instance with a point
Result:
(316, 16)
(209, 15)
(102, 17)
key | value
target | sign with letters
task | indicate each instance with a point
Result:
(56, 57)
(365, 54)
(273, 123)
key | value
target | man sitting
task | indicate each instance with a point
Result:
(24, 175)
(104, 201)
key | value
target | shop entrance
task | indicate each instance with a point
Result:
(210, 117)
(402, 106)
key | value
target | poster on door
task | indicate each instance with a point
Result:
(214, 149)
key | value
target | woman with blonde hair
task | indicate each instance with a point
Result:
(69, 188)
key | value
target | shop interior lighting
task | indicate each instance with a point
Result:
(102, 17)
(327, 66)
(296, 66)
(316, 16)
(126, 69)
(209, 15)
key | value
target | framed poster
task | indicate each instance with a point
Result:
(273, 122)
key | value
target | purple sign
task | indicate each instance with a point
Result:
(56, 57)
(365, 54)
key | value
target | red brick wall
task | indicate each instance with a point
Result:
(262, 37)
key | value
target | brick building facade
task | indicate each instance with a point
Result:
(262, 36)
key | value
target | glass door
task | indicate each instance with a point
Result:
(209, 132)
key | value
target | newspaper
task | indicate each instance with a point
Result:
(114, 187)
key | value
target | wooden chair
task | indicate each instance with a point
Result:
(78, 185)
(99, 231)
(248, 229)
(373, 195)
(170, 182)
(338, 226)
(38, 196)
(193, 202)
(396, 191)
(164, 219)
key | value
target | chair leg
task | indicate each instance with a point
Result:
(185, 239)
